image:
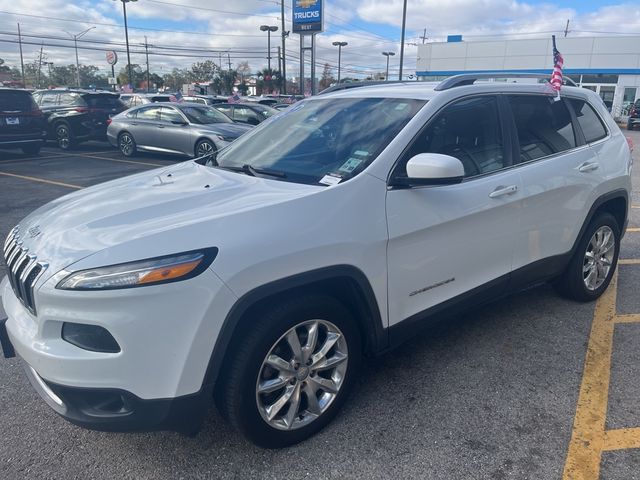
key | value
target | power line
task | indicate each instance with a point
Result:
(227, 12)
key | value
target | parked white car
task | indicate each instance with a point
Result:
(334, 230)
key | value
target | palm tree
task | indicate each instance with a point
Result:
(267, 80)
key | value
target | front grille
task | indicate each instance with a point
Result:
(24, 269)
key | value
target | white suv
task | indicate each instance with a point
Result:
(333, 230)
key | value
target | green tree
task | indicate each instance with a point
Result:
(203, 71)
(123, 75)
(268, 80)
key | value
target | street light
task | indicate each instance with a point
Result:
(75, 41)
(268, 29)
(339, 45)
(126, 36)
(387, 54)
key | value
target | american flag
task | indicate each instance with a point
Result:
(235, 98)
(177, 97)
(558, 62)
(127, 88)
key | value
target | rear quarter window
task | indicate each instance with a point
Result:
(12, 101)
(590, 122)
(103, 101)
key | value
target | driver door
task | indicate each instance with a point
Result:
(445, 241)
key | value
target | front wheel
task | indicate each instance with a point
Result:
(204, 147)
(591, 268)
(292, 371)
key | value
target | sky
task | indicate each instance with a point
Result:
(180, 32)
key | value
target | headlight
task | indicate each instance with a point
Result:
(151, 271)
(225, 139)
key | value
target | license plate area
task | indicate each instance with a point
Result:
(13, 120)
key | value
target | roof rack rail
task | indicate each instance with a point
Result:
(470, 79)
(366, 83)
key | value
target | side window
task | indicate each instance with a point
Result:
(543, 125)
(469, 130)
(170, 115)
(69, 98)
(37, 97)
(243, 114)
(589, 121)
(151, 114)
(49, 99)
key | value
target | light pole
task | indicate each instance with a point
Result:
(268, 29)
(126, 36)
(75, 41)
(387, 54)
(404, 23)
(339, 45)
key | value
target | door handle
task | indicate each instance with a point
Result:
(588, 167)
(160, 126)
(500, 191)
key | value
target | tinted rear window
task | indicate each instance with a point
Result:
(589, 121)
(102, 101)
(544, 126)
(11, 101)
(161, 98)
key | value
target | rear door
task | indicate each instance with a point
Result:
(445, 241)
(559, 176)
(145, 127)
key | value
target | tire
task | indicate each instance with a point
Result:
(629, 125)
(63, 135)
(238, 398)
(573, 283)
(204, 147)
(126, 144)
(33, 149)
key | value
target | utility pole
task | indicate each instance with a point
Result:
(146, 51)
(424, 36)
(566, 29)
(40, 64)
(284, 62)
(24, 81)
(229, 60)
(280, 66)
(404, 24)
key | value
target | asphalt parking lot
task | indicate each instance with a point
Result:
(532, 387)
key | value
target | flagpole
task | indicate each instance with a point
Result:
(553, 39)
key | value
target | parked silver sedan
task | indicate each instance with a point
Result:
(179, 128)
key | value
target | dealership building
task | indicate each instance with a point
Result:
(610, 66)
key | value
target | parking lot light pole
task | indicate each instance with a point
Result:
(339, 45)
(126, 36)
(387, 54)
(75, 41)
(268, 29)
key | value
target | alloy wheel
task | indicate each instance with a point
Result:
(302, 374)
(204, 148)
(62, 134)
(598, 258)
(126, 144)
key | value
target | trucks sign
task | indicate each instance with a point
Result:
(307, 16)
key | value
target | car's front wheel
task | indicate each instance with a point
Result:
(291, 371)
(204, 147)
(126, 144)
(592, 266)
(64, 137)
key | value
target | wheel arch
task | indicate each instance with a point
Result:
(346, 283)
(201, 138)
(615, 202)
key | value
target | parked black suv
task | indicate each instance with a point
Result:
(76, 115)
(634, 115)
(21, 121)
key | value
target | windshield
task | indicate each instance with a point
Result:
(322, 141)
(205, 115)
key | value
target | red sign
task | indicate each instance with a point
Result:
(112, 57)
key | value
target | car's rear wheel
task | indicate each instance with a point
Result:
(592, 266)
(291, 371)
(64, 137)
(32, 149)
(204, 147)
(126, 144)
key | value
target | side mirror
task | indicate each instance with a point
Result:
(431, 169)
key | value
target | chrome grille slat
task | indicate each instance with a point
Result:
(24, 270)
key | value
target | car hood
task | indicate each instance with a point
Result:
(160, 209)
(229, 130)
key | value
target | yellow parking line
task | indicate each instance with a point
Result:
(627, 318)
(622, 438)
(629, 261)
(128, 161)
(587, 439)
(633, 229)
(41, 180)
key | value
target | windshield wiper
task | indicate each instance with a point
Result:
(253, 171)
